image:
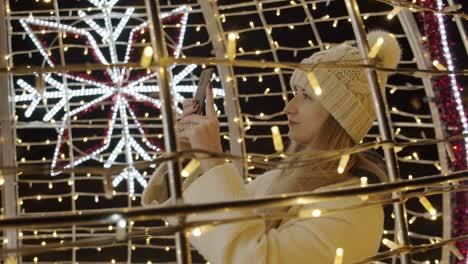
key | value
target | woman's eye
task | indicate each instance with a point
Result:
(306, 96)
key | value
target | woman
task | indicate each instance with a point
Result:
(337, 118)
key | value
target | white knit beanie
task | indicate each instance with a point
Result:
(345, 92)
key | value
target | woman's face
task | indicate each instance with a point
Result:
(306, 116)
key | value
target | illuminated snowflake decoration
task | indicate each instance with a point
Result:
(119, 89)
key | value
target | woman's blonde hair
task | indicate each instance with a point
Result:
(307, 177)
(298, 176)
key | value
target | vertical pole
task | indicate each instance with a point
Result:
(422, 59)
(157, 37)
(7, 136)
(384, 125)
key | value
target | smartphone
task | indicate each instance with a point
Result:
(200, 94)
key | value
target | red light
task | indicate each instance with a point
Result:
(455, 147)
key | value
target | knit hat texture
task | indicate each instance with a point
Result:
(345, 92)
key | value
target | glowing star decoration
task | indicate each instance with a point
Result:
(120, 89)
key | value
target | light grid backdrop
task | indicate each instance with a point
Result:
(109, 118)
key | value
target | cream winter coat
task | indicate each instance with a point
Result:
(296, 241)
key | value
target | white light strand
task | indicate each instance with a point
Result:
(93, 25)
(183, 25)
(122, 23)
(453, 81)
(135, 89)
(184, 73)
(130, 41)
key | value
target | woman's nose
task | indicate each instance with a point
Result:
(290, 107)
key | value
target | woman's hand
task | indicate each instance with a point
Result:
(202, 132)
(189, 107)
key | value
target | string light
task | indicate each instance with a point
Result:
(390, 244)
(343, 162)
(277, 140)
(199, 231)
(147, 57)
(335, 23)
(231, 46)
(315, 83)
(276, 44)
(393, 13)
(438, 65)
(428, 206)
(308, 212)
(376, 48)
(364, 183)
(339, 256)
(192, 166)
(121, 230)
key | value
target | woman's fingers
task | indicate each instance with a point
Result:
(190, 106)
(195, 119)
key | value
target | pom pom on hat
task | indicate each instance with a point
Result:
(345, 92)
(390, 52)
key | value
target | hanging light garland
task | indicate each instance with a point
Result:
(448, 98)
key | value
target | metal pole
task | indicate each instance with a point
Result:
(7, 136)
(422, 59)
(183, 255)
(384, 125)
